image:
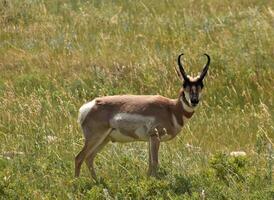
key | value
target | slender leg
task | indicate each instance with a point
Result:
(149, 160)
(91, 156)
(154, 144)
(90, 144)
(80, 158)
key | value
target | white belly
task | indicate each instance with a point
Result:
(117, 136)
(131, 127)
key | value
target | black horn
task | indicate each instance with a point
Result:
(183, 73)
(205, 67)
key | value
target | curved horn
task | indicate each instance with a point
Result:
(205, 67)
(183, 73)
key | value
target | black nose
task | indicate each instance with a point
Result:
(194, 102)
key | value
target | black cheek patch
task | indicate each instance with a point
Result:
(200, 84)
(185, 84)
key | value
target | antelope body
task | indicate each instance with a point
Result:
(128, 118)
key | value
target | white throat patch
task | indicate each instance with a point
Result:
(187, 97)
(185, 106)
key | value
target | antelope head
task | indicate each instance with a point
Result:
(192, 86)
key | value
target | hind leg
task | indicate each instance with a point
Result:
(91, 156)
(91, 143)
(80, 158)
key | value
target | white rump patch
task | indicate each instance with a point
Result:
(84, 110)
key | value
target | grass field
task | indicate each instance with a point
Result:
(56, 55)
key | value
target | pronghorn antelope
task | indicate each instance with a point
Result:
(128, 118)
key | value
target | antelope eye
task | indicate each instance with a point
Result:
(200, 85)
(187, 88)
(199, 88)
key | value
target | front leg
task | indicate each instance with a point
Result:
(154, 144)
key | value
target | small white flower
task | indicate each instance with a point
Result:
(50, 138)
(11, 154)
(237, 153)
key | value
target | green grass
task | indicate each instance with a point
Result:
(56, 55)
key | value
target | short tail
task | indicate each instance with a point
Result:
(84, 110)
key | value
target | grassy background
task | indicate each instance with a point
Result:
(56, 55)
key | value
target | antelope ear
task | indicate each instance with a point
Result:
(204, 72)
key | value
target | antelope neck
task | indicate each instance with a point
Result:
(188, 111)
(182, 109)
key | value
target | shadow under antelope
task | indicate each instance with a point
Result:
(128, 118)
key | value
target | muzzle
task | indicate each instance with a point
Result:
(194, 102)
